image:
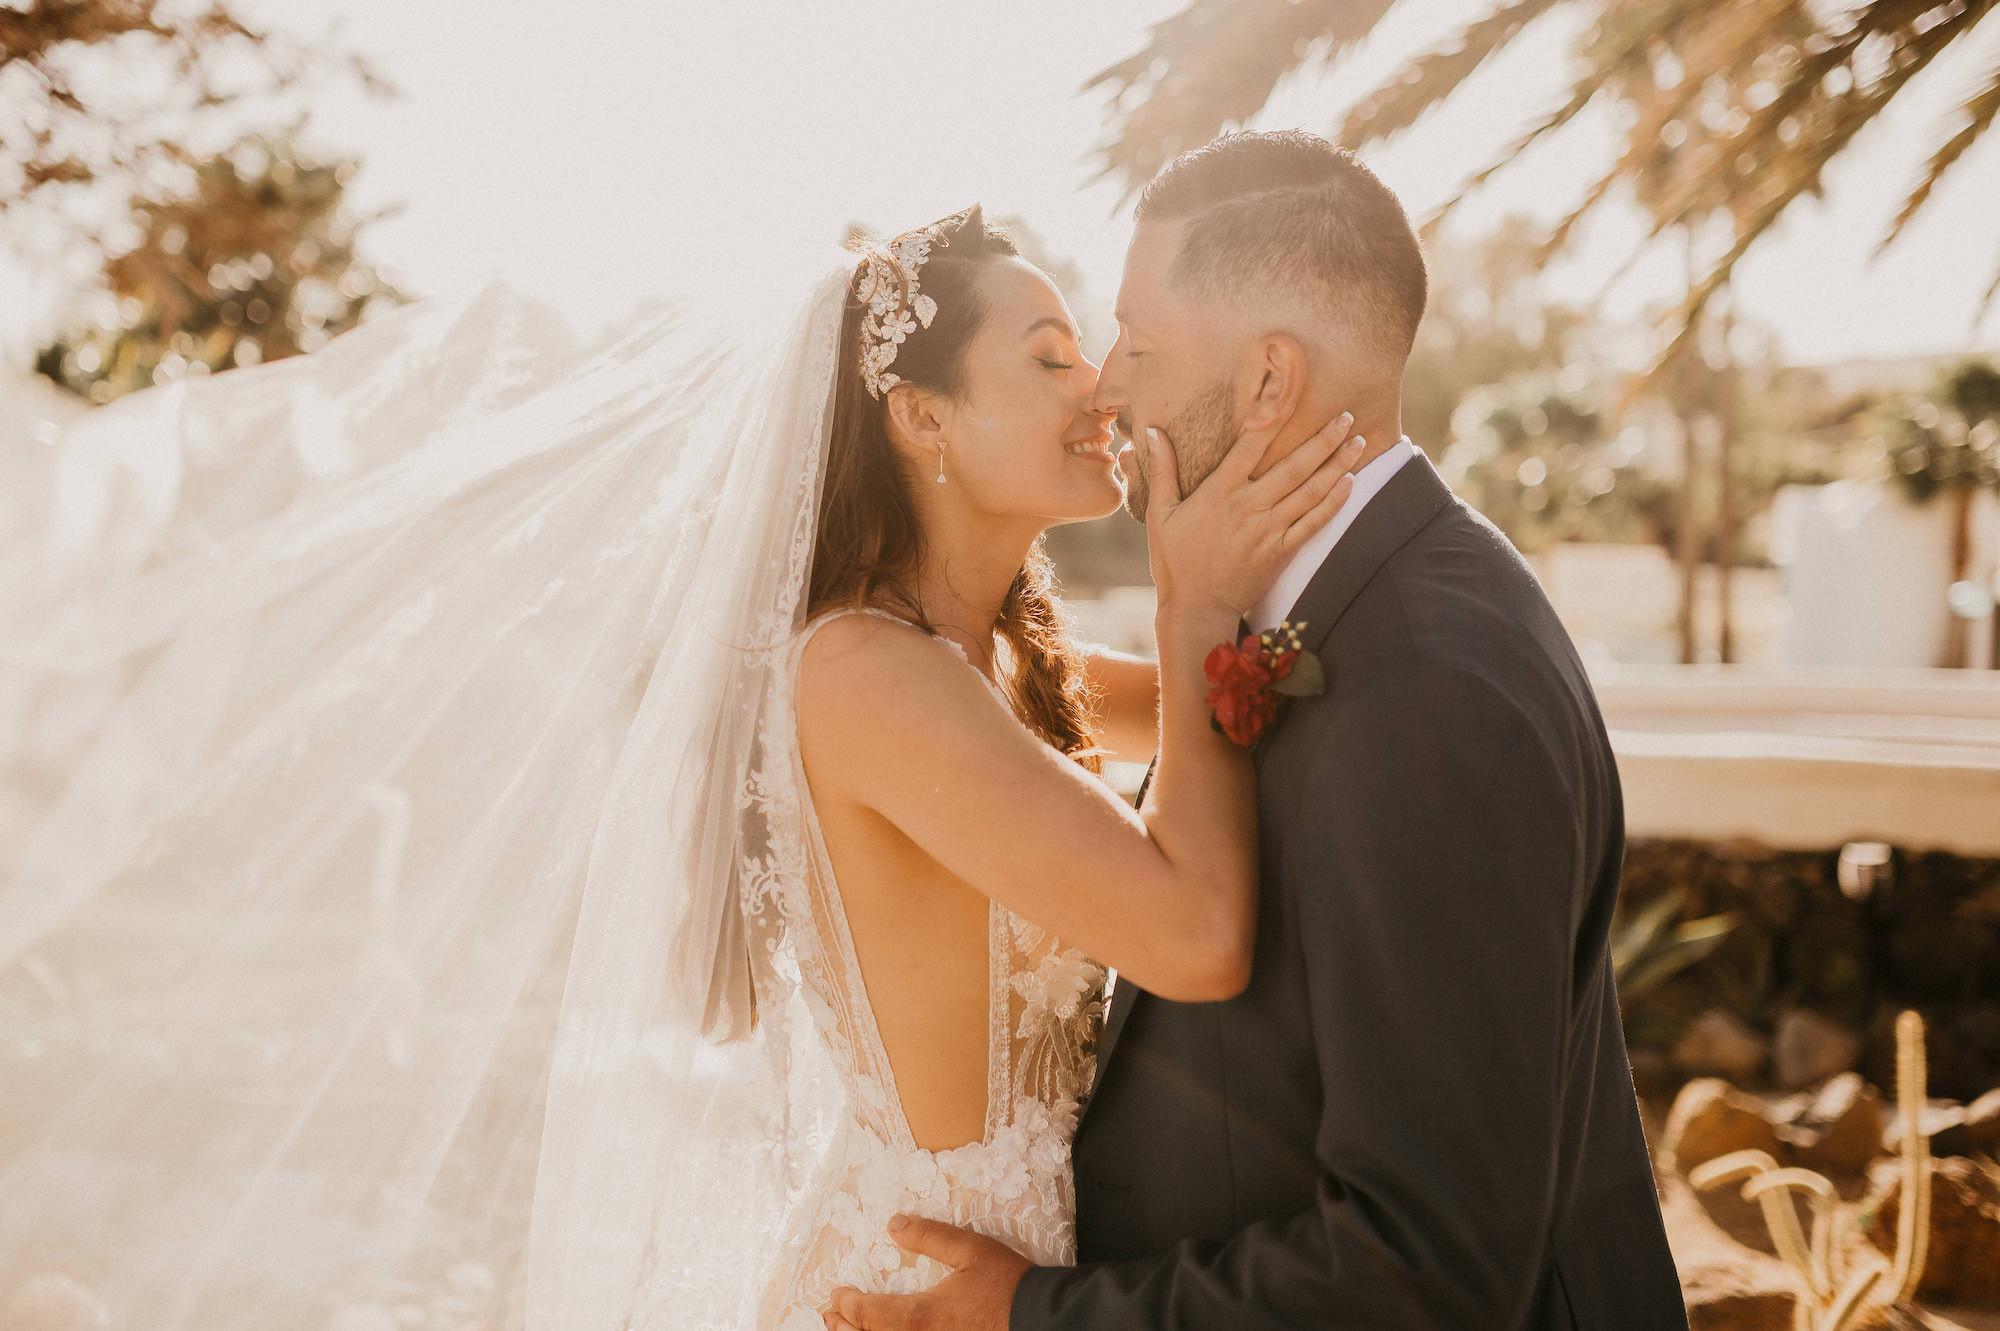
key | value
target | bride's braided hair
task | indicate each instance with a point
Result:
(869, 542)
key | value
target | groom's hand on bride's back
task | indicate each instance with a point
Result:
(1223, 544)
(978, 1295)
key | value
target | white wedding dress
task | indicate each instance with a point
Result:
(1045, 1005)
(412, 913)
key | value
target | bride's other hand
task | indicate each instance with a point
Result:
(1220, 547)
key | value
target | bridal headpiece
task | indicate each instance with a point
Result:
(897, 306)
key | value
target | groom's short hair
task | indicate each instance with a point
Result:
(1288, 211)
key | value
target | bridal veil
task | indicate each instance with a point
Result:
(382, 725)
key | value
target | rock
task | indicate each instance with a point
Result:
(1940, 1121)
(1841, 1129)
(1721, 1298)
(53, 1302)
(1717, 1043)
(1982, 1124)
(1726, 1285)
(1949, 1134)
(1808, 1048)
(1711, 1118)
(1963, 1263)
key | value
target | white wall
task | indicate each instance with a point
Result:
(1866, 573)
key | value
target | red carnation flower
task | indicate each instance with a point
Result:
(1248, 679)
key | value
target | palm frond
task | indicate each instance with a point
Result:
(1720, 39)
(1213, 65)
(1583, 94)
(1433, 76)
(1978, 111)
(1560, 233)
(1801, 170)
(1764, 94)
(1803, 115)
(1626, 54)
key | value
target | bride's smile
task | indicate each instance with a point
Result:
(1098, 446)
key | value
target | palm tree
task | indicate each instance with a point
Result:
(1735, 107)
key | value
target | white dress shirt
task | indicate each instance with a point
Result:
(1305, 562)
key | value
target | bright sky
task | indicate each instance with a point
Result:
(605, 152)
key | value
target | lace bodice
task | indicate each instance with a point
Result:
(1045, 1005)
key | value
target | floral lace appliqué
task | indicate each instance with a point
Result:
(1046, 1007)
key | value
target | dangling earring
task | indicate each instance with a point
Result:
(940, 475)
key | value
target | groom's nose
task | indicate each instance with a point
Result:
(1109, 398)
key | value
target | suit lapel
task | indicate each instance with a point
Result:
(1123, 997)
(1398, 512)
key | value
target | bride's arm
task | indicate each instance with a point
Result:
(895, 722)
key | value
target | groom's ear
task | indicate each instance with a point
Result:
(1275, 370)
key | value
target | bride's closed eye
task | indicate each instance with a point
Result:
(1056, 364)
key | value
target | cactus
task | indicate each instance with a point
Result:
(1833, 1299)
(1913, 1218)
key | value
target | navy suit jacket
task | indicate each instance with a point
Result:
(1420, 1113)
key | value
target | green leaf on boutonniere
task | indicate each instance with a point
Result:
(1307, 678)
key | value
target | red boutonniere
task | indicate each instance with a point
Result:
(1247, 680)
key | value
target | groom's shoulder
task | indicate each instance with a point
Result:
(1429, 600)
(1455, 612)
(1451, 591)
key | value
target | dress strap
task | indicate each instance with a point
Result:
(826, 616)
(842, 611)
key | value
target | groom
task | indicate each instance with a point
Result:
(1419, 1114)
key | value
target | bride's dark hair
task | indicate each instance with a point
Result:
(869, 543)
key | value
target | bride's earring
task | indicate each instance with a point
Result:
(940, 475)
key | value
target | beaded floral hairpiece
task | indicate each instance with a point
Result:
(896, 307)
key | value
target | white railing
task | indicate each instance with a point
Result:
(1809, 759)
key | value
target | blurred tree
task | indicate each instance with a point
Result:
(1733, 108)
(1488, 320)
(104, 96)
(1947, 441)
(1535, 454)
(1945, 445)
(254, 261)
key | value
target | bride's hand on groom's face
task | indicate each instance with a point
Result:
(1222, 546)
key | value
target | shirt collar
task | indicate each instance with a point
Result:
(1305, 561)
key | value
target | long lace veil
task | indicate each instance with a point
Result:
(377, 729)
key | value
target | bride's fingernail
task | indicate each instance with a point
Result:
(1346, 420)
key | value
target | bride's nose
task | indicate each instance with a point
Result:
(1087, 388)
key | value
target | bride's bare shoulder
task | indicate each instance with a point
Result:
(865, 657)
(850, 648)
(869, 683)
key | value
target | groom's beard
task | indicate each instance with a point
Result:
(1200, 433)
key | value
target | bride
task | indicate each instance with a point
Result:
(579, 839)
